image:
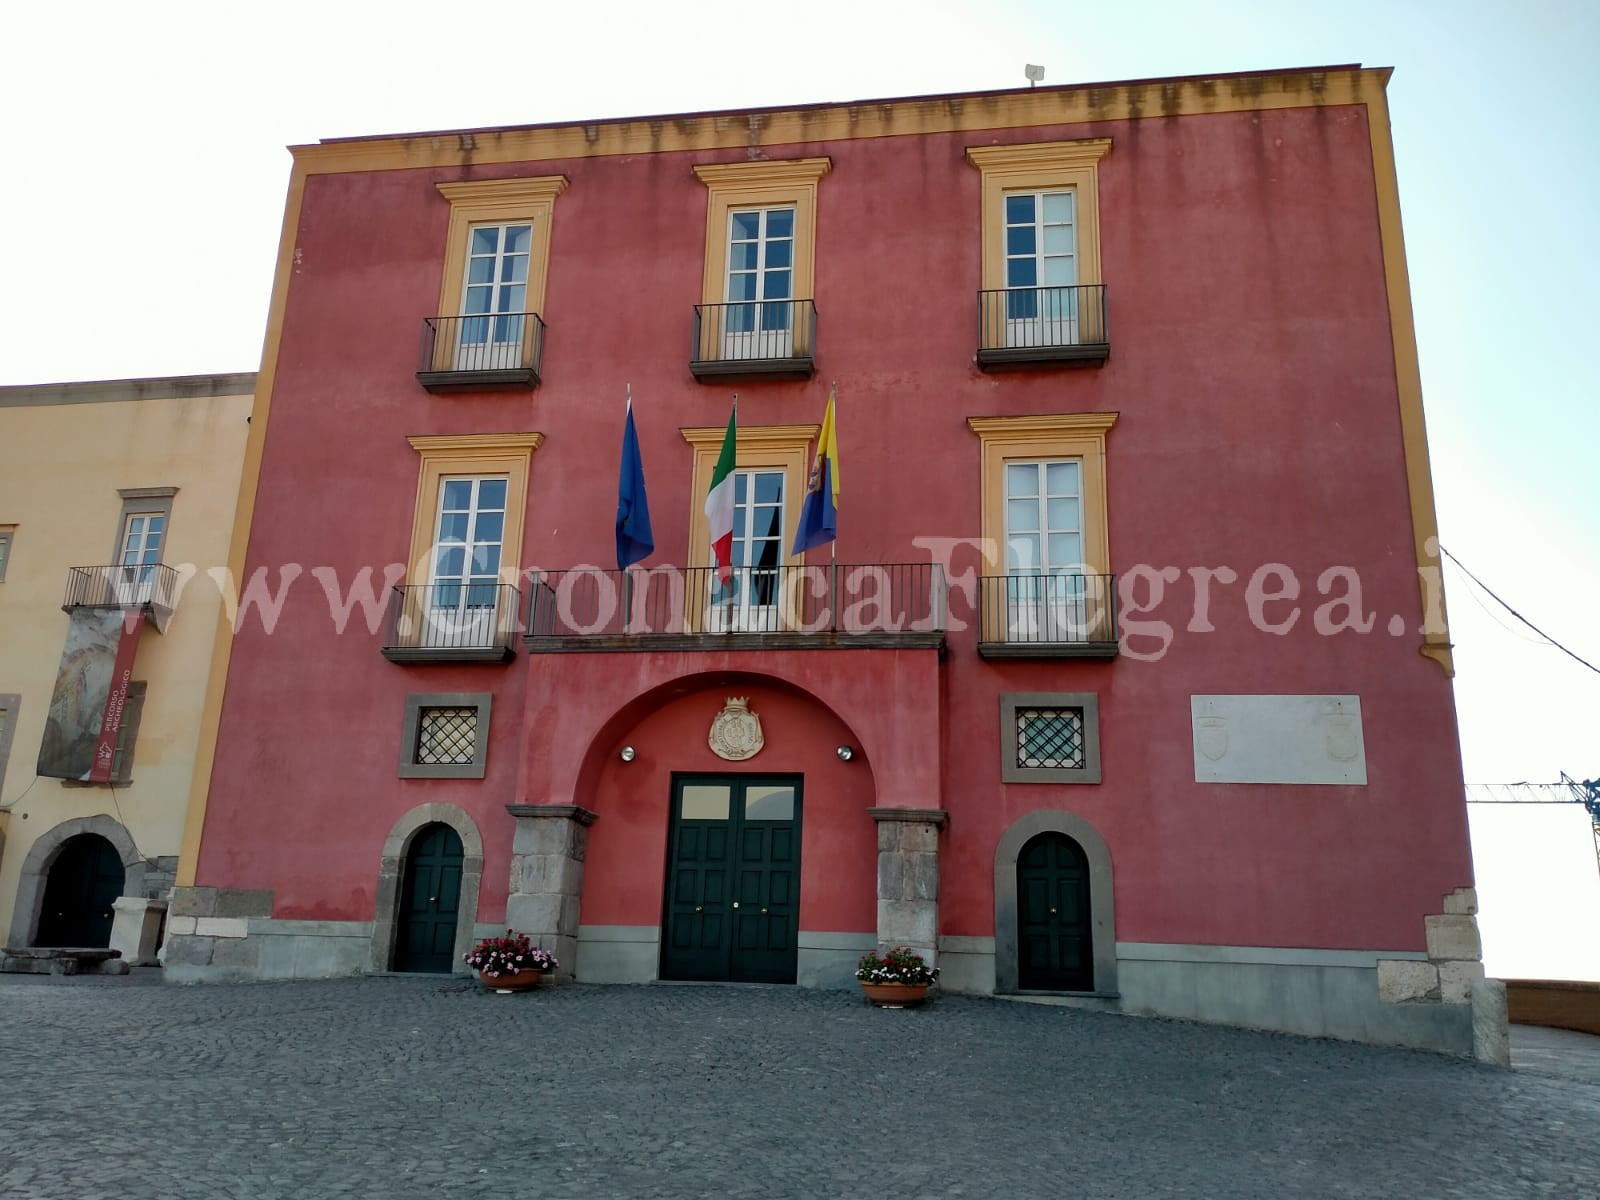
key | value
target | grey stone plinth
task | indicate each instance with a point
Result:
(1462, 900)
(136, 929)
(1491, 1033)
(548, 848)
(908, 878)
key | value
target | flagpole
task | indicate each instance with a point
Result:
(833, 542)
(727, 595)
(627, 575)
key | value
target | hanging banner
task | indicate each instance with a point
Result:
(91, 694)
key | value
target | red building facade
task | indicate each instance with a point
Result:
(1125, 681)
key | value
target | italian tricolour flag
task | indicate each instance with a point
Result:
(719, 502)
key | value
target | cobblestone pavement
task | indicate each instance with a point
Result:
(395, 1087)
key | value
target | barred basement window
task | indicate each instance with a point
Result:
(1049, 737)
(446, 736)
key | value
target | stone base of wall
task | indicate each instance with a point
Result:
(1314, 993)
(632, 954)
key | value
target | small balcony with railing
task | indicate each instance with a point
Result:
(754, 339)
(1047, 616)
(492, 352)
(452, 622)
(1042, 326)
(808, 607)
(148, 588)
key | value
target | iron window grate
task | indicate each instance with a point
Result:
(447, 736)
(1050, 737)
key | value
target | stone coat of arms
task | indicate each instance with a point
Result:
(1211, 736)
(736, 731)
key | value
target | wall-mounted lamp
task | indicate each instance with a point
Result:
(627, 754)
(845, 753)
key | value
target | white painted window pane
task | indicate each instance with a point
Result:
(746, 226)
(480, 270)
(780, 223)
(1066, 551)
(1022, 516)
(1022, 479)
(1060, 272)
(492, 493)
(518, 239)
(1019, 209)
(1020, 239)
(485, 239)
(1061, 478)
(1022, 551)
(1057, 207)
(1064, 516)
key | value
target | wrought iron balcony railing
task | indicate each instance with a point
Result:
(755, 338)
(824, 605)
(452, 622)
(1048, 616)
(1030, 326)
(150, 588)
(491, 352)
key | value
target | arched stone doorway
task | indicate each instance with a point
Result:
(422, 849)
(81, 886)
(1054, 860)
(37, 868)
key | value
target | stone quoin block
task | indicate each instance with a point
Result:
(1456, 980)
(1404, 979)
(1453, 937)
(1462, 901)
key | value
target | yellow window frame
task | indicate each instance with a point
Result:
(477, 455)
(1080, 436)
(528, 200)
(1040, 167)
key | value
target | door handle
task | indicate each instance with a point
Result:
(763, 912)
(435, 900)
(697, 908)
(1052, 912)
(736, 904)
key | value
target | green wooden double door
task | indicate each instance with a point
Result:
(732, 907)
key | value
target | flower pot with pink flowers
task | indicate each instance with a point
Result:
(897, 978)
(511, 963)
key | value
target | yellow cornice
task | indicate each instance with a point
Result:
(1029, 427)
(1081, 152)
(751, 132)
(475, 444)
(763, 172)
(538, 189)
(750, 436)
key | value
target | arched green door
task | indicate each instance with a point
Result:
(1055, 937)
(84, 881)
(430, 902)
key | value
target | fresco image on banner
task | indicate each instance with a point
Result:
(83, 685)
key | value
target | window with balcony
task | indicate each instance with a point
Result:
(757, 317)
(136, 578)
(1047, 590)
(465, 542)
(489, 334)
(1043, 300)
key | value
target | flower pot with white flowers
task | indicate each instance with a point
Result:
(897, 978)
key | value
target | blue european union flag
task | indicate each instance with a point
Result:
(634, 539)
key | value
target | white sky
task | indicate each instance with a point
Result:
(144, 192)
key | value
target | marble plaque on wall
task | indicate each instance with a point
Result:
(1278, 739)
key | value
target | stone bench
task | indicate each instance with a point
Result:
(61, 960)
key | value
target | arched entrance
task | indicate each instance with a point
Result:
(1049, 859)
(430, 901)
(81, 885)
(1055, 932)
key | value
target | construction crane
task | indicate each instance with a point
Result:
(1567, 791)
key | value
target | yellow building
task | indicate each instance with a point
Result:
(116, 500)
